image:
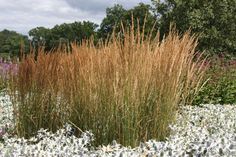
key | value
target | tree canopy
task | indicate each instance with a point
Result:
(213, 20)
(11, 43)
(62, 34)
(116, 15)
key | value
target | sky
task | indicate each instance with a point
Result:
(23, 15)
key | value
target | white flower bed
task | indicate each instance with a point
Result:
(209, 130)
(6, 113)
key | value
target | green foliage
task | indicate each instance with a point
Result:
(40, 36)
(215, 21)
(12, 43)
(62, 34)
(221, 87)
(116, 15)
(2, 84)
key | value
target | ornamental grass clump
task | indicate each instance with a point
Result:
(126, 89)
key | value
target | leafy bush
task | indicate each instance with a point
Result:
(215, 21)
(13, 43)
(125, 89)
(221, 87)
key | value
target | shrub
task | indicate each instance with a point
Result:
(126, 89)
(221, 87)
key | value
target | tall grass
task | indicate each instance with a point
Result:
(126, 89)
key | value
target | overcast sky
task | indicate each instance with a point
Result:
(23, 15)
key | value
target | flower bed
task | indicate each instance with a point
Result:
(206, 130)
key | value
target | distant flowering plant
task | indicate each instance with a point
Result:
(6, 68)
(221, 85)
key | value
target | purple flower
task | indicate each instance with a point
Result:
(7, 68)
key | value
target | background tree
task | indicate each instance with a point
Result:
(214, 20)
(40, 36)
(144, 14)
(62, 34)
(114, 16)
(11, 43)
(117, 14)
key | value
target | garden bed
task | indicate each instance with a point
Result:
(205, 130)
